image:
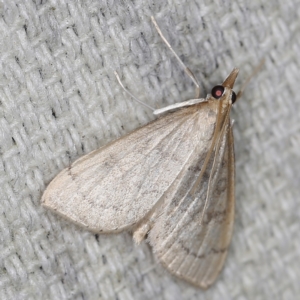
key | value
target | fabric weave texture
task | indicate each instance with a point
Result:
(59, 99)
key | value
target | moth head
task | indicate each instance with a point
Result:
(225, 89)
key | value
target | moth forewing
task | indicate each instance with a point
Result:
(189, 246)
(106, 189)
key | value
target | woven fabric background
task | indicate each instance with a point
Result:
(59, 99)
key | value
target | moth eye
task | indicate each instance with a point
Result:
(217, 91)
(233, 97)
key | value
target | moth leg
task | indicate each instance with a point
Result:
(131, 95)
(254, 72)
(145, 226)
(185, 68)
(140, 232)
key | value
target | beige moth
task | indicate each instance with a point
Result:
(170, 181)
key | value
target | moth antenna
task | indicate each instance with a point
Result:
(131, 95)
(185, 68)
(254, 72)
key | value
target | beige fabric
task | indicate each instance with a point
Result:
(60, 99)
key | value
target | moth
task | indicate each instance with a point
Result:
(170, 181)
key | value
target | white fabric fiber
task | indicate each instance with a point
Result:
(59, 99)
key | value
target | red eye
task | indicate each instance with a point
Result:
(217, 91)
